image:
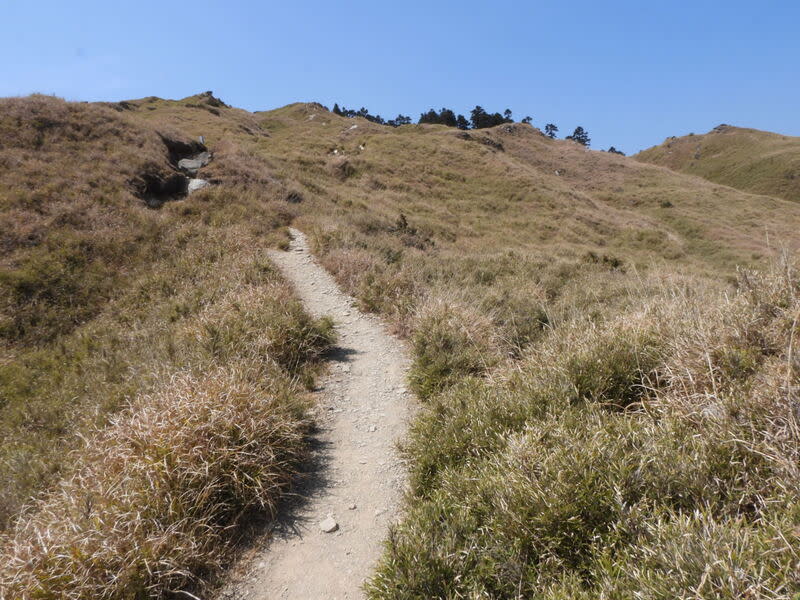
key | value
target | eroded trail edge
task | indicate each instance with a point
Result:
(358, 479)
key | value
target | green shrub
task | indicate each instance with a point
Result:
(611, 366)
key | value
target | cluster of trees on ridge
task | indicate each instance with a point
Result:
(479, 119)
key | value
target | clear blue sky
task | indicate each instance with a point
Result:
(630, 72)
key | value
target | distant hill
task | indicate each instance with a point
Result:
(747, 159)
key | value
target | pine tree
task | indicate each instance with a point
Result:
(461, 122)
(507, 116)
(447, 117)
(431, 117)
(337, 110)
(550, 130)
(479, 118)
(581, 136)
(527, 120)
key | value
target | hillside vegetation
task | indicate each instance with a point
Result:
(153, 364)
(605, 415)
(604, 350)
(747, 159)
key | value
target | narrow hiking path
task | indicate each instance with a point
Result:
(356, 477)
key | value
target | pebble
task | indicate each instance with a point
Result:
(328, 525)
(352, 506)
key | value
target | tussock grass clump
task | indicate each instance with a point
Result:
(651, 456)
(575, 365)
(156, 492)
(450, 343)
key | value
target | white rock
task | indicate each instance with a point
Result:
(197, 184)
(328, 525)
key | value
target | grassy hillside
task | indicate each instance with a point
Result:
(504, 218)
(152, 361)
(596, 392)
(747, 159)
(603, 355)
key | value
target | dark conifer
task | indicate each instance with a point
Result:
(581, 136)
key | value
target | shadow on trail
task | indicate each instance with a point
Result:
(338, 354)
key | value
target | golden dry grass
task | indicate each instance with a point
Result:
(747, 159)
(653, 455)
(155, 493)
(561, 303)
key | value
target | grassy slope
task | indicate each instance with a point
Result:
(502, 228)
(508, 244)
(545, 288)
(747, 159)
(138, 348)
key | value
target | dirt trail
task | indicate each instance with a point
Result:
(357, 477)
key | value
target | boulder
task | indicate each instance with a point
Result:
(192, 165)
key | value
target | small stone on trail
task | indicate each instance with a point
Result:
(352, 506)
(328, 525)
(372, 428)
